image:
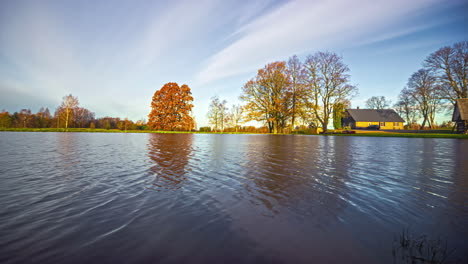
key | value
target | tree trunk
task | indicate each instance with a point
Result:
(66, 119)
(293, 119)
(325, 125)
(424, 122)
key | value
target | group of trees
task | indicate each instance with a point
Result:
(435, 87)
(68, 115)
(222, 118)
(25, 118)
(378, 102)
(283, 94)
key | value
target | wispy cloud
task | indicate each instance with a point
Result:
(301, 26)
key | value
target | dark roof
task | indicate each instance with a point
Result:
(375, 115)
(461, 108)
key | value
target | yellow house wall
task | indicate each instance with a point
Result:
(388, 125)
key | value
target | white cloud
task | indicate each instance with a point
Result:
(301, 26)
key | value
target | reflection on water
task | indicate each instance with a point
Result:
(78, 197)
(170, 155)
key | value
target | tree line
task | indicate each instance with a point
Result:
(283, 95)
(68, 115)
(435, 87)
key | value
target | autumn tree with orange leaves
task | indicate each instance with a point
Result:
(171, 108)
(268, 97)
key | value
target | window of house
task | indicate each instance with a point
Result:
(382, 123)
(396, 124)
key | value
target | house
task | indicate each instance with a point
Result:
(460, 115)
(372, 118)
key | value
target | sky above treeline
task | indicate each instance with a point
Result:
(113, 55)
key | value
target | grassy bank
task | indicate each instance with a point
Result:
(99, 130)
(407, 135)
(357, 134)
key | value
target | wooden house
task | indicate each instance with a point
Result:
(460, 115)
(372, 118)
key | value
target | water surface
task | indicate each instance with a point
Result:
(200, 198)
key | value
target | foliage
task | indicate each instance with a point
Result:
(267, 96)
(338, 113)
(67, 109)
(205, 129)
(171, 108)
(5, 119)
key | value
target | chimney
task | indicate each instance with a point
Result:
(357, 107)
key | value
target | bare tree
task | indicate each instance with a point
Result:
(83, 116)
(296, 86)
(423, 88)
(327, 84)
(450, 66)
(235, 116)
(217, 114)
(378, 102)
(406, 106)
(69, 104)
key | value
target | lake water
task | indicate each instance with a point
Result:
(201, 198)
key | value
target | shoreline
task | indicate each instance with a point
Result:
(365, 134)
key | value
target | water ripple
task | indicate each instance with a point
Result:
(168, 198)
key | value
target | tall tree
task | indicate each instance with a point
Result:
(450, 66)
(378, 102)
(406, 106)
(267, 97)
(171, 108)
(296, 80)
(217, 113)
(423, 88)
(68, 106)
(235, 116)
(327, 83)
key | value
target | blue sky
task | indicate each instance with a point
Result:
(113, 55)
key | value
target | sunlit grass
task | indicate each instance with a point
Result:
(426, 134)
(407, 135)
(101, 130)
